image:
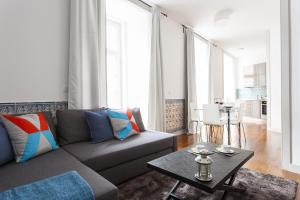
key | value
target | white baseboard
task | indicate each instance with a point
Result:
(275, 130)
(179, 132)
(292, 168)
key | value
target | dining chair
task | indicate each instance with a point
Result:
(219, 101)
(237, 120)
(212, 119)
(195, 118)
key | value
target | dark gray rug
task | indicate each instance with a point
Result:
(154, 186)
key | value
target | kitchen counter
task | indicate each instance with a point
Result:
(253, 108)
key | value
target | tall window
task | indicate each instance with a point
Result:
(128, 55)
(202, 70)
(229, 78)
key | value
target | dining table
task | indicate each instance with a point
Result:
(228, 109)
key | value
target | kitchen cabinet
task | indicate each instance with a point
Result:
(260, 75)
(252, 108)
(254, 75)
(249, 76)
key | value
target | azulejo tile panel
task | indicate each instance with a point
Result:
(32, 107)
(175, 115)
(9, 108)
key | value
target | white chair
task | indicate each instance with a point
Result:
(219, 101)
(195, 118)
(237, 120)
(212, 119)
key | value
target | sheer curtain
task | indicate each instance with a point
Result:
(87, 60)
(216, 72)
(156, 110)
(191, 71)
(128, 55)
(229, 78)
(202, 70)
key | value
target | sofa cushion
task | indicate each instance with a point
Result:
(121, 124)
(51, 125)
(49, 119)
(30, 135)
(6, 149)
(138, 118)
(72, 126)
(100, 127)
(51, 164)
(108, 154)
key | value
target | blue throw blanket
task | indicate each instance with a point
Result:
(67, 186)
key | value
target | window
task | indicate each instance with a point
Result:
(114, 63)
(128, 55)
(202, 70)
(229, 78)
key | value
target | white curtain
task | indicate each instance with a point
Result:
(216, 73)
(191, 72)
(156, 110)
(87, 59)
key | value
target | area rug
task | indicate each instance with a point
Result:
(155, 186)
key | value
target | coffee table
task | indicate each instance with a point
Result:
(181, 166)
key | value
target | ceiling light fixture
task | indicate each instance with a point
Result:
(222, 17)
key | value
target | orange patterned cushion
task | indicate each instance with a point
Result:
(132, 121)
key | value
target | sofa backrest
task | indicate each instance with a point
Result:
(72, 126)
(51, 125)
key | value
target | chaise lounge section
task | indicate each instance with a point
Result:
(51, 164)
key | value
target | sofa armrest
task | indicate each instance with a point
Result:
(175, 146)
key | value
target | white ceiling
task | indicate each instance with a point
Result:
(246, 27)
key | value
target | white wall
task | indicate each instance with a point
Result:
(290, 30)
(295, 81)
(34, 38)
(252, 59)
(274, 78)
(34, 51)
(173, 58)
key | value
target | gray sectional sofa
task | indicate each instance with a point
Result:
(103, 165)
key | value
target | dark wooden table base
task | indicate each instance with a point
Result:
(227, 187)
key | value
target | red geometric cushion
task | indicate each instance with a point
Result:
(30, 135)
(132, 121)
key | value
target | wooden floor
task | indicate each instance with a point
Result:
(266, 145)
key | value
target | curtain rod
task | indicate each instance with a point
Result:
(185, 27)
(148, 5)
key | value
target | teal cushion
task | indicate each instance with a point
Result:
(30, 135)
(121, 125)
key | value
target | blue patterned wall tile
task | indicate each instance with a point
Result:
(22, 108)
(7, 108)
(61, 105)
(42, 107)
(175, 115)
(32, 107)
(251, 93)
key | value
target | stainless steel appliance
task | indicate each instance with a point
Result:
(264, 109)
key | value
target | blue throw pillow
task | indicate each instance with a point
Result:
(6, 150)
(100, 127)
